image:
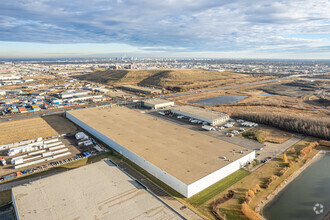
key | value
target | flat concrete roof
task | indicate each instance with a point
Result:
(183, 153)
(200, 111)
(157, 101)
(96, 191)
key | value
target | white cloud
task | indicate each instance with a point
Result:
(208, 25)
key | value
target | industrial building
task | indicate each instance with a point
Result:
(212, 117)
(96, 191)
(73, 93)
(157, 103)
(9, 101)
(141, 89)
(186, 160)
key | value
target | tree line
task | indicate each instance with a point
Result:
(309, 126)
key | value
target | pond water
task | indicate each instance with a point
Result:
(266, 94)
(220, 100)
(297, 200)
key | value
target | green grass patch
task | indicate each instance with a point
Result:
(217, 188)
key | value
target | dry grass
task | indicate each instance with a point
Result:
(232, 208)
(257, 103)
(265, 134)
(173, 79)
(19, 130)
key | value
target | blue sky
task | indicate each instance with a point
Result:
(175, 28)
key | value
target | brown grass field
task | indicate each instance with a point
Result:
(257, 103)
(19, 130)
(172, 79)
(268, 134)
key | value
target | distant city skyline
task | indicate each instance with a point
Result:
(197, 29)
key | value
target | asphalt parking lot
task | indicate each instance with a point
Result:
(240, 141)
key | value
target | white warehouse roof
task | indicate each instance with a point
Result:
(96, 191)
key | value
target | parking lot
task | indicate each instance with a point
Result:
(264, 151)
(220, 134)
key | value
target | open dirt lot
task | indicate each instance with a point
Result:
(15, 131)
(173, 79)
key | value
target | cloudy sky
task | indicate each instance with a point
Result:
(176, 28)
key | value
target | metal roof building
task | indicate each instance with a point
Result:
(212, 117)
(157, 103)
(96, 191)
(186, 160)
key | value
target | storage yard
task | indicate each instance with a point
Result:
(186, 160)
(29, 154)
(20, 130)
(96, 191)
(36, 150)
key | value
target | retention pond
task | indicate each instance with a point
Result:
(306, 197)
(220, 100)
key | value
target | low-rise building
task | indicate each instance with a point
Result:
(9, 101)
(212, 117)
(157, 103)
(73, 93)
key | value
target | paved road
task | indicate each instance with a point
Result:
(273, 150)
(160, 193)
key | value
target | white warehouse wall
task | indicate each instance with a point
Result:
(152, 169)
(14, 205)
(214, 177)
(192, 116)
(158, 106)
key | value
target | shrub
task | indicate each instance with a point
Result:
(256, 161)
(306, 150)
(291, 163)
(285, 158)
(249, 213)
(258, 188)
(269, 181)
(282, 171)
(215, 204)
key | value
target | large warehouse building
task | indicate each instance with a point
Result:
(96, 191)
(212, 117)
(157, 103)
(186, 160)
